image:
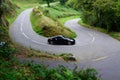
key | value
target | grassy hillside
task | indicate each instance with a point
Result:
(46, 21)
(60, 11)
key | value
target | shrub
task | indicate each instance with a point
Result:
(63, 73)
(13, 70)
(99, 13)
(6, 51)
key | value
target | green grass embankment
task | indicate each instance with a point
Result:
(48, 21)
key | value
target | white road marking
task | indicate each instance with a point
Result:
(22, 23)
(21, 28)
(100, 58)
(25, 35)
(93, 38)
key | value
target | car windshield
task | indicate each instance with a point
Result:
(59, 36)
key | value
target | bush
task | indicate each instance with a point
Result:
(60, 11)
(6, 8)
(6, 51)
(63, 73)
(63, 2)
(13, 70)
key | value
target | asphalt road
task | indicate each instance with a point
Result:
(93, 49)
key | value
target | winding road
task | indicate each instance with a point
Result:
(93, 49)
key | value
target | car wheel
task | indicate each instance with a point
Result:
(51, 42)
(69, 43)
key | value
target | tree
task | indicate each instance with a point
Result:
(81, 4)
(6, 8)
(105, 13)
(101, 13)
(48, 2)
(63, 2)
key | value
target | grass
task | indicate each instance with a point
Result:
(115, 35)
(68, 57)
(63, 20)
(59, 11)
(46, 26)
(25, 5)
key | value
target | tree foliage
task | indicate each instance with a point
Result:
(48, 2)
(63, 2)
(6, 8)
(101, 13)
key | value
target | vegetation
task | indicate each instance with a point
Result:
(60, 11)
(23, 5)
(48, 2)
(12, 69)
(68, 57)
(115, 35)
(63, 20)
(6, 51)
(6, 8)
(99, 13)
(30, 1)
(45, 21)
(63, 2)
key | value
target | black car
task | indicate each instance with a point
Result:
(61, 40)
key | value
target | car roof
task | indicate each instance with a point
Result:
(58, 36)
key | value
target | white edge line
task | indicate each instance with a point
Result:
(25, 35)
(93, 38)
(21, 28)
